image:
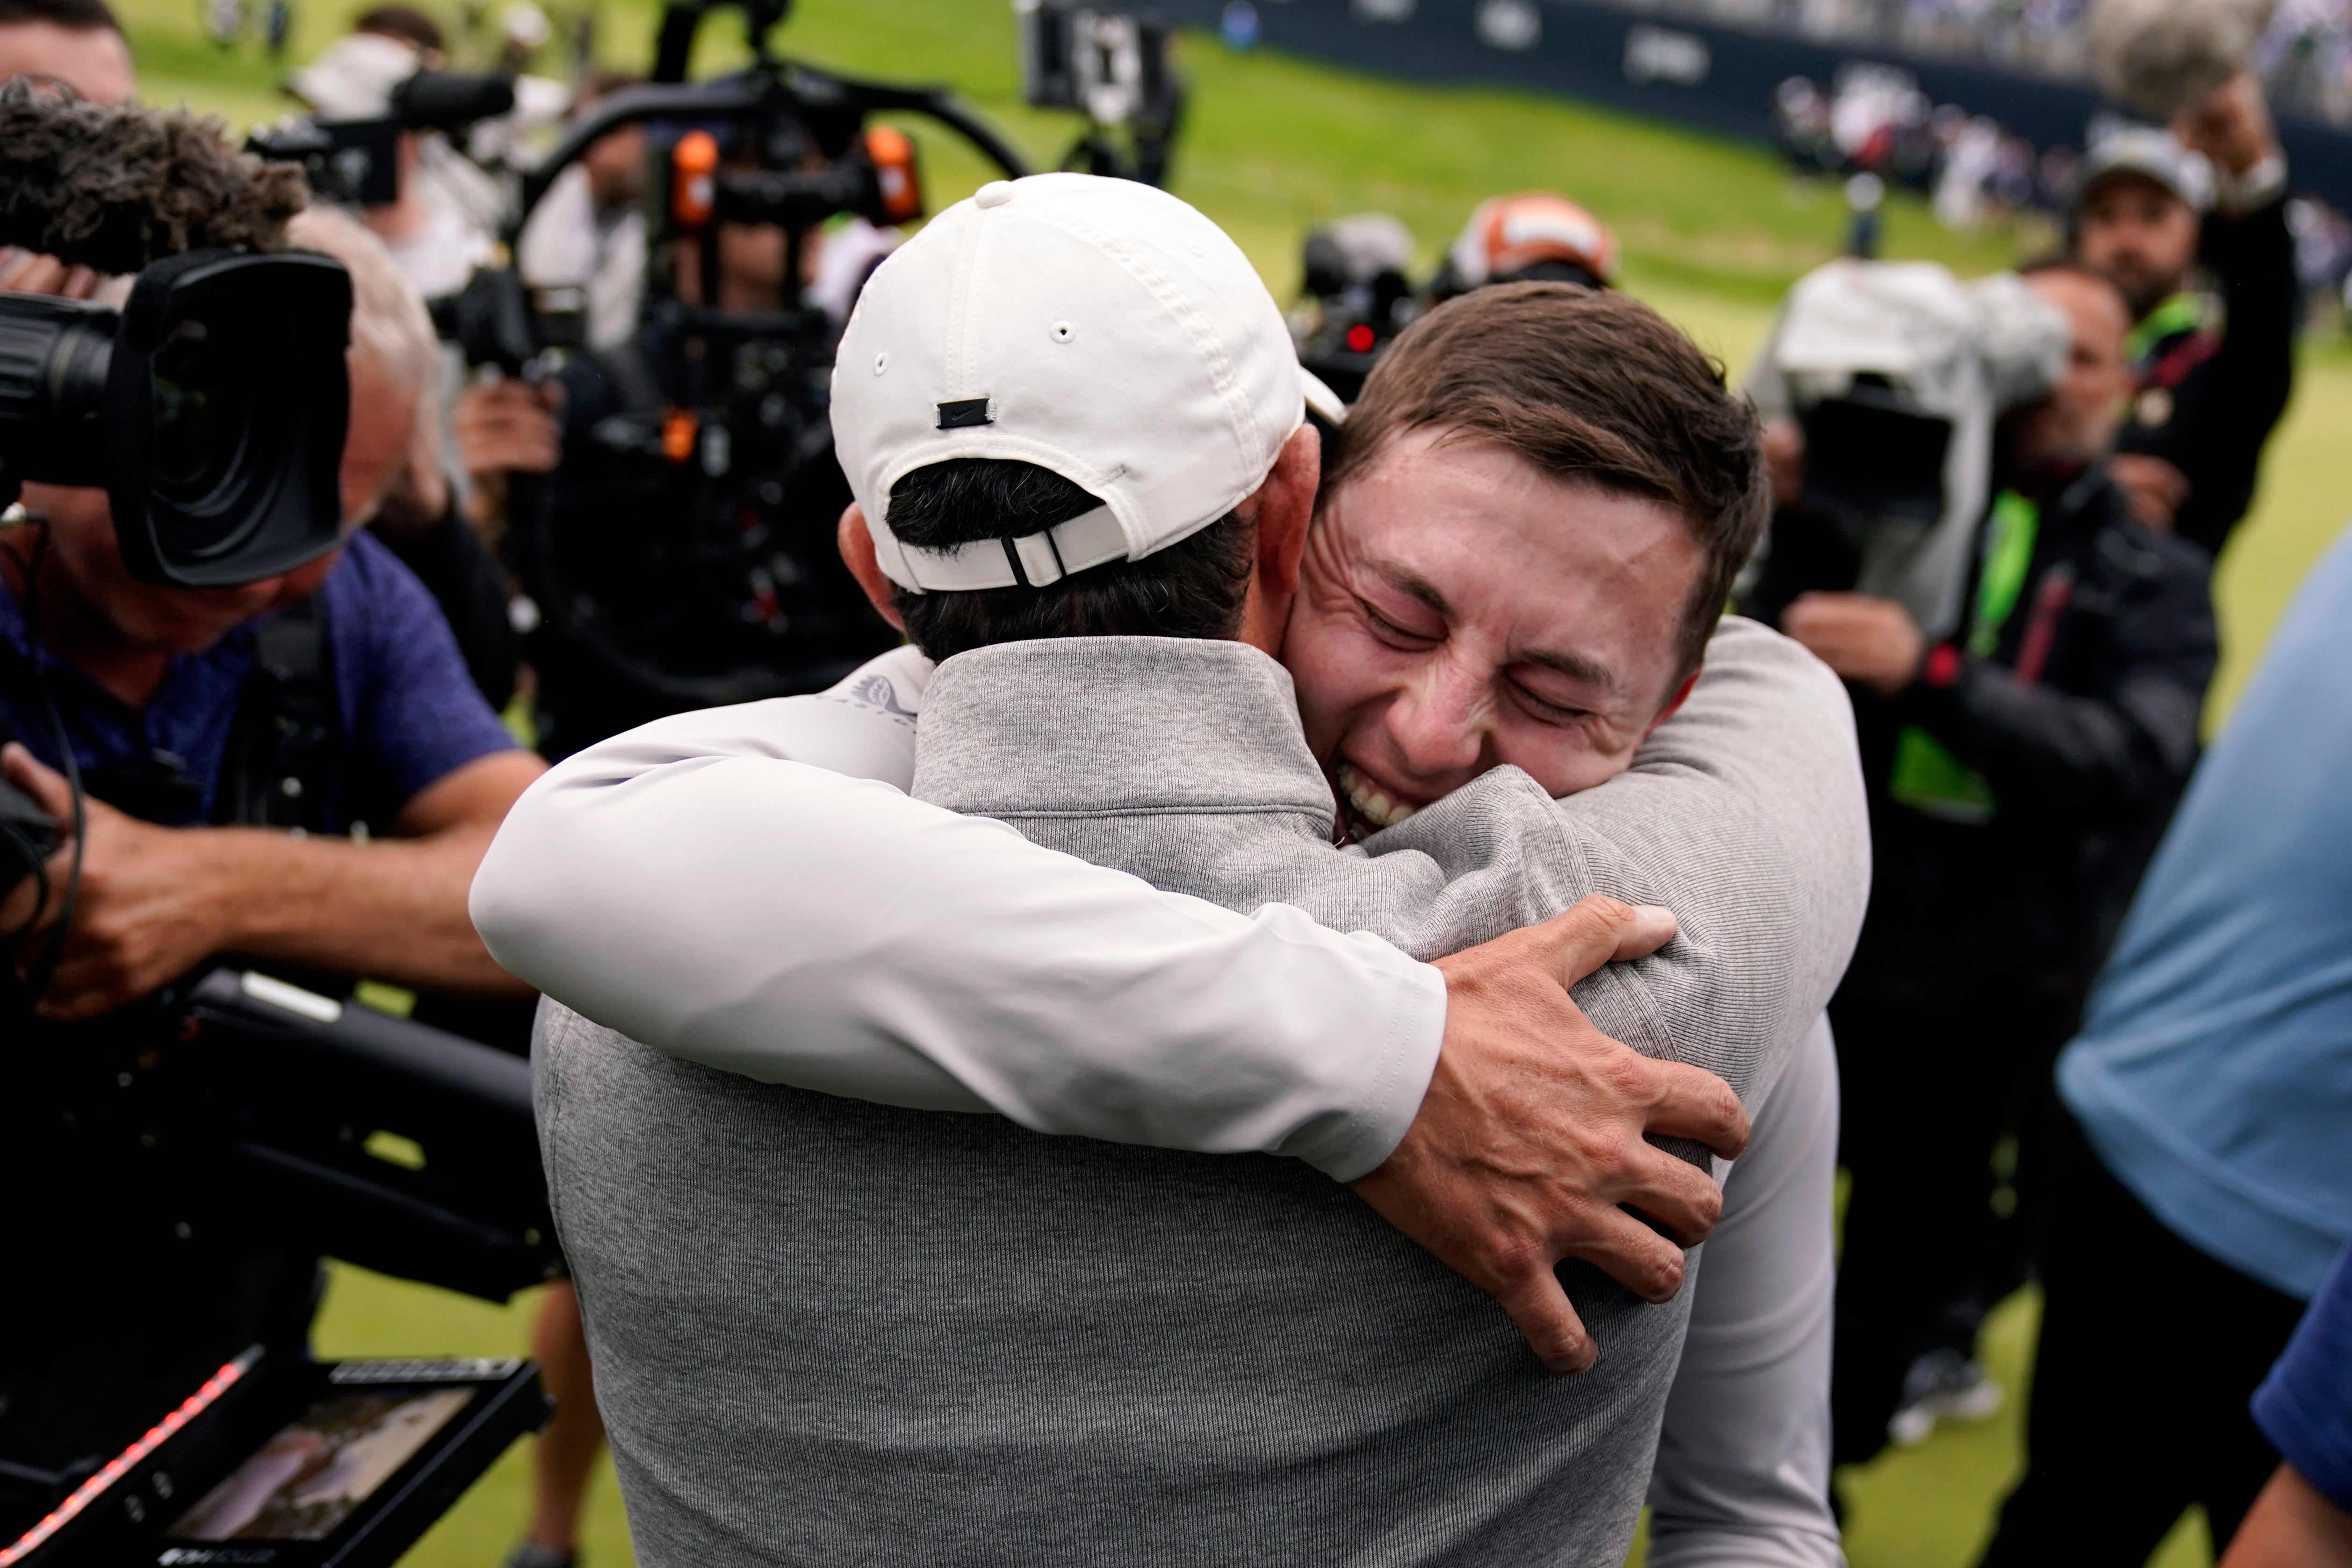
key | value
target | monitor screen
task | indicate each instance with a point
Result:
(310, 1477)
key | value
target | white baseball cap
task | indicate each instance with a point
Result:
(1097, 328)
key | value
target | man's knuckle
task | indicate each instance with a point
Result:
(1629, 1077)
(1513, 1258)
(1615, 1162)
(1708, 1209)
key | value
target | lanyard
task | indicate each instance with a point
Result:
(2184, 312)
(2007, 556)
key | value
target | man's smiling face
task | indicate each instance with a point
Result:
(1460, 609)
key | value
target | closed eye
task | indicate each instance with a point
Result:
(1391, 630)
(1543, 708)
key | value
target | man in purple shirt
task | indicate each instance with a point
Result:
(297, 770)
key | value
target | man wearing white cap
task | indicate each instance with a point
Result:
(1071, 412)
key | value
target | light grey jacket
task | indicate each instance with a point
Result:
(833, 1332)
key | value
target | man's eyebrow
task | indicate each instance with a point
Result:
(1406, 580)
(1576, 667)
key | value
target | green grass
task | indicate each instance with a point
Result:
(1712, 233)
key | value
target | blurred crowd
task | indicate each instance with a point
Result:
(2305, 55)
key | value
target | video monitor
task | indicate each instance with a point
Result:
(292, 1464)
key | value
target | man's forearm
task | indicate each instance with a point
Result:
(391, 910)
(796, 926)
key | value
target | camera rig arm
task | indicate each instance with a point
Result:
(778, 84)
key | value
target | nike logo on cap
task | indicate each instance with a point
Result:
(964, 413)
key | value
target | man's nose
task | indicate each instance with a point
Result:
(1440, 721)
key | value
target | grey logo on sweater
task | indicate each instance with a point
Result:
(877, 691)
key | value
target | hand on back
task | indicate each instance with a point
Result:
(1532, 1141)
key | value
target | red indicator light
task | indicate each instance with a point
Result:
(1359, 338)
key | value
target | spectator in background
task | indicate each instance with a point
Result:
(589, 229)
(2201, 1166)
(2304, 1517)
(2212, 365)
(2019, 775)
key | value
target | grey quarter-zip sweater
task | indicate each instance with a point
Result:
(833, 1332)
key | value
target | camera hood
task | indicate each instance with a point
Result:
(226, 400)
(211, 410)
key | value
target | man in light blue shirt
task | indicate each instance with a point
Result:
(2200, 1172)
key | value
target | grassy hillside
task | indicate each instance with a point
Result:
(1713, 233)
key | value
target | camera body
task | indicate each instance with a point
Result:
(1112, 65)
(356, 162)
(1897, 373)
(1357, 295)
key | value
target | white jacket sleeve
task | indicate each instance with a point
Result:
(1743, 1468)
(997, 975)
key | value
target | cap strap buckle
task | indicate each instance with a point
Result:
(1033, 560)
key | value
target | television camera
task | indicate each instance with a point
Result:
(356, 162)
(683, 556)
(1357, 295)
(1113, 66)
(1897, 373)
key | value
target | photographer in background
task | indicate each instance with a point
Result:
(589, 227)
(328, 698)
(2019, 770)
(757, 602)
(437, 228)
(2212, 356)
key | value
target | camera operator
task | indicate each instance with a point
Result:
(2021, 767)
(2212, 359)
(589, 227)
(682, 611)
(337, 684)
(432, 227)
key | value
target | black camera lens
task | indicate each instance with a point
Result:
(203, 412)
(54, 355)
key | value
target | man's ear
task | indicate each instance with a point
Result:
(1674, 704)
(1284, 509)
(857, 554)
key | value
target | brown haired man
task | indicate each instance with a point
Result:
(1139, 1353)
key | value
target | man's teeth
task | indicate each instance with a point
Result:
(1368, 802)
